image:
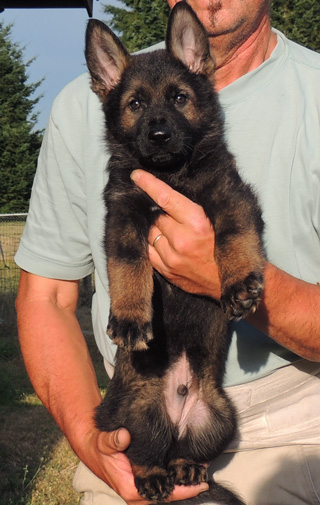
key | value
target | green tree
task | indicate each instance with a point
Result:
(299, 20)
(143, 24)
(19, 141)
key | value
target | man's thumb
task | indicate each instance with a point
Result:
(118, 440)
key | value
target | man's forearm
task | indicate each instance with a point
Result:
(290, 313)
(59, 365)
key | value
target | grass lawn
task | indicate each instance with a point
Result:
(36, 462)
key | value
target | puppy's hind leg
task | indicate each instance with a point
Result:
(152, 484)
(134, 400)
(150, 444)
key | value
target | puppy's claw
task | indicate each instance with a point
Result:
(242, 297)
(129, 334)
(188, 474)
(154, 487)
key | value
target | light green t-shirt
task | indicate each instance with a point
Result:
(272, 120)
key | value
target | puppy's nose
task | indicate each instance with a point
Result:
(159, 135)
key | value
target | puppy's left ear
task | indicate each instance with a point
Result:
(106, 57)
(188, 41)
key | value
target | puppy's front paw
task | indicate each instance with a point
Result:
(133, 335)
(243, 296)
(155, 487)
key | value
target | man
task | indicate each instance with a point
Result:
(269, 90)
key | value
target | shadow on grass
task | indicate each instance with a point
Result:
(32, 447)
(28, 436)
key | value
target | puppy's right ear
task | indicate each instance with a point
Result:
(106, 57)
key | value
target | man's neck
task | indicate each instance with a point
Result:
(243, 56)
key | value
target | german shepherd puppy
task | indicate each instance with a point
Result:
(162, 115)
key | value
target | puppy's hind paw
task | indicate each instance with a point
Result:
(132, 335)
(154, 487)
(241, 298)
(188, 474)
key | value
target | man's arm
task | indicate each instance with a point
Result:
(289, 311)
(61, 371)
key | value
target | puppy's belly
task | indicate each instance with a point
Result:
(182, 397)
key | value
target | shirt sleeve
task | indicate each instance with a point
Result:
(55, 241)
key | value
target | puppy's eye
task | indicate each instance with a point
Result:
(135, 104)
(180, 99)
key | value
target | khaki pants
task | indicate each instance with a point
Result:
(276, 457)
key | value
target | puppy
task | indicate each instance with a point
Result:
(162, 114)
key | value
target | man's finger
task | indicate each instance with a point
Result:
(173, 203)
(153, 234)
(185, 492)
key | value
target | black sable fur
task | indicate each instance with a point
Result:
(162, 115)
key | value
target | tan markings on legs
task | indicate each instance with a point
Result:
(186, 472)
(241, 256)
(145, 472)
(131, 288)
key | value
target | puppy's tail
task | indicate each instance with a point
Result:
(216, 495)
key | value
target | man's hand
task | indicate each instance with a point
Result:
(184, 253)
(114, 468)
(289, 309)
